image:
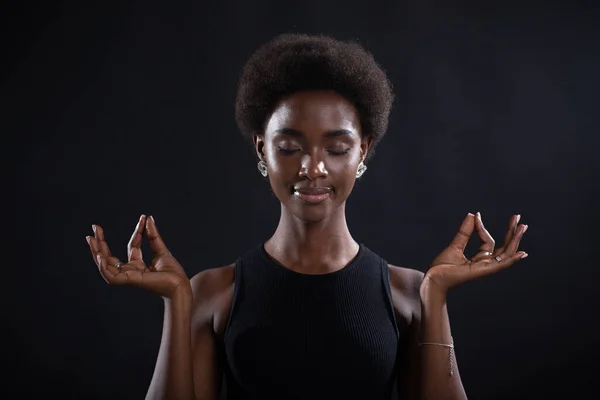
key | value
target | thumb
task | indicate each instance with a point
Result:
(464, 233)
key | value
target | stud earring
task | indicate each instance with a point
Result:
(361, 169)
(262, 168)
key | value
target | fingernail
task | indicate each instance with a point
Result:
(525, 255)
(94, 228)
(142, 217)
(525, 228)
(479, 215)
(87, 239)
(152, 218)
(98, 258)
(518, 218)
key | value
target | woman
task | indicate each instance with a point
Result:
(310, 313)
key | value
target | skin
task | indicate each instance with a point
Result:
(312, 139)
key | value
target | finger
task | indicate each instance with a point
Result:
(487, 241)
(512, 229)
(157, 245)
(486, 267)
(93, 247)
(464, 233)
(513, 245)
(482, 255)
(108, 271)
(134, 249)
(101, 246)
(96, 250)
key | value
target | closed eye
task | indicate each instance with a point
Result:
(287, 151)
(338, 152)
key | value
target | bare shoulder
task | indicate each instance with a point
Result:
(213, 291)
(210, 282)
(405, 280)
(405, 284)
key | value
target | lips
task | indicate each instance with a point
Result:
(312, 195)
(313, 190)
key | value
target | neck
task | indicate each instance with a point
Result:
(312, 247)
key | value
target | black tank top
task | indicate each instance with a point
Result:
(298, 336)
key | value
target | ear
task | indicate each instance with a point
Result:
(365, 145)
(259, 146)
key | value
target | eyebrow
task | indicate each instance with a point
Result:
(297, 133)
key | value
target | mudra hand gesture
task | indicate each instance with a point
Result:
(162, 277)
(452, 268)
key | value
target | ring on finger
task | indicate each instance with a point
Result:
(486, 253)
(118, 264)
(497, 258)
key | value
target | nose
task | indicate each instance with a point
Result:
(312, 168)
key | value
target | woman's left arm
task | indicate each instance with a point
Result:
(439, 378)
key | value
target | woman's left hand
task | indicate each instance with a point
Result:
(451, 268)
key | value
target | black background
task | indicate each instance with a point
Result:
(111, 110)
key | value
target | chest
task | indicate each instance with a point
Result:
(339, 334)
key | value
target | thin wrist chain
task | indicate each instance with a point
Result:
(451, 352)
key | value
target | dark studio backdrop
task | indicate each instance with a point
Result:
(114, 110)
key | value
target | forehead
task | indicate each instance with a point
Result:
(314, 111)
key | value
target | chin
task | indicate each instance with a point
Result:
(311, 213)
(312, 217)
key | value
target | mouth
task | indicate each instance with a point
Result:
(312, 195)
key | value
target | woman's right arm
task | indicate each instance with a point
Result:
(207, 286)
(187, 365)
(173, 373)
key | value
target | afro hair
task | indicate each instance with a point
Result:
(296, 62)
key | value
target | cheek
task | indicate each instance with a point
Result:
(279, 165)
(345, 165)
(347, 177)
(341, 168)
(283, 168)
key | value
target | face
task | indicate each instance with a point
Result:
(312, 146)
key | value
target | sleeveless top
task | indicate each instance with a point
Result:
(298, 336)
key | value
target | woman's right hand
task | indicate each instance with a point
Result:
(163, 276)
